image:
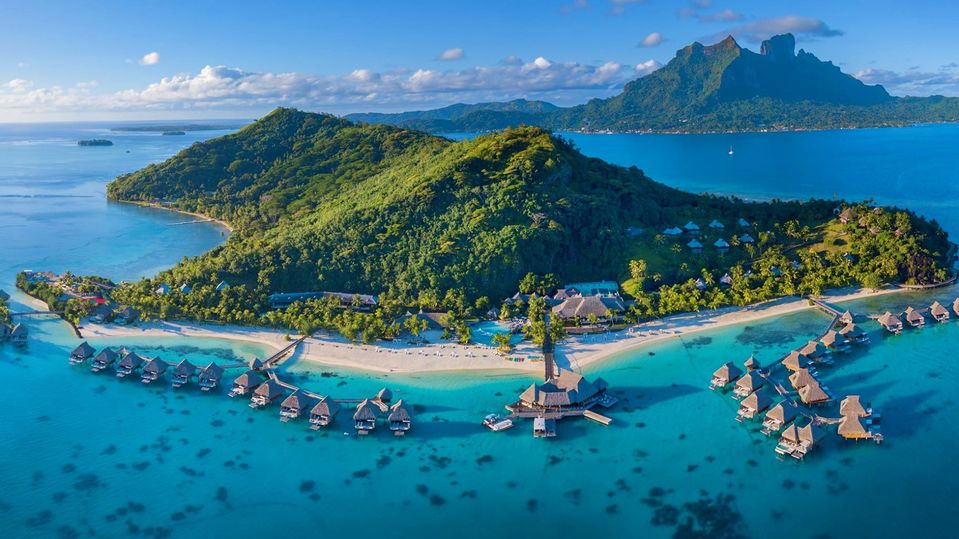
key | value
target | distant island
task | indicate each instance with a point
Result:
(175, 128)
(716, 88)
(367, 222)
(173, 133)
(95, 142)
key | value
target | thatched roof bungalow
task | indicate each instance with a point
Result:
(602, 307)
(82, 353)
(835, 340)
(726, 373)
(324, 412)
(796, 361)
(851, 428)
(246, 383)
(153, 370)
(815, 351)
(851, 405)
(565, 390)
(266, 393)
(182, 373)
(104, 359)
(801, 378)
(914, 318)
(364, 419)
(780, 415)
(400, 418)
(384, 395)
(890, 322)
(19, 334)
(695, 246)
(752, 363)
(753, 404)
(209, 376)
(812, 393)
(854, 333)
(847, 317)
(748, 383)
(938, 312)
(294, 405)
(129, 363)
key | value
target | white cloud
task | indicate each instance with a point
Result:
(511, 60)
(541, 63)
(21, 65)
(619, 6)
(646, 67)
(698, 8)
(451, 54)
(651, 40)
(913, 81)
(19, 85)
(765, 28)
(150, 59)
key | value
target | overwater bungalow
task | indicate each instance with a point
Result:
(816, 351)
(812, 393)
(19, 334)
(104, 359)
(835, 341)
(384, 396)
(914, 318)
(182, 373)
(955, 306)
(364, 419)
(400, 419)
(754, 404)
(81, 353)
(854, 334)
(847, 318)
(295, 405)
(890, 322)
(752, 364)
(851, 428)
(561, 392)
(128, 364)
(209, 376)
(796, 361)
(748, 383)
(323, 413)
(852, 406)
(266, 393)
(246, 383)
(725, 374)
(153, 370)
(801, 378)
(938, 312)
(798, 441)
(779, 416)
(544, 427)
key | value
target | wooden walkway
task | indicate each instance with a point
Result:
(37, 313)
(273, 360)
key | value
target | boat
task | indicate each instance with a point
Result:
(730, 150)
(496, 423)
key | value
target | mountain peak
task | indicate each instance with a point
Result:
(779, 48)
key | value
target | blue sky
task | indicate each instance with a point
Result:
(204, 59)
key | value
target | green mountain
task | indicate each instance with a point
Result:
(724, 87)
(322, 203)
(476, 117)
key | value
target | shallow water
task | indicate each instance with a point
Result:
(89, 454)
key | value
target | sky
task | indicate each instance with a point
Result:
(113, 60)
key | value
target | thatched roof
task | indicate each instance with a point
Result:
(888, 320)
(326, 406)
(810, 433)
(248, 379)
(795, 361)
(852, 331)
(106, 356)
(674, 231)
(156, 365)
(833, 338)
(757, 400)
(691, 226)
(132, 360)
(211, 371)
(83, 351)
(270, 389)
(750, 381)
(813, 349)
(716, 224)
(784, 412)
(852, 406)
(721, 244)
(399, 413)
(728, 371)
(746, 238)
(801, 378)
(583, 306)
(255, 364)
(937, 310)
(694, 244)
(847, 317)
(366, 411)
(752, 363)
(297, 400)
(791, 434)
(812, 393)
(384, 395)
(566, 389)
(851, 427)
(185, 368)
(913, 315)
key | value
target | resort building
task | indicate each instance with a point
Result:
(400, 419)
(854, 334)
(364, 420)
(724, 375)
(185, 288)
(694, 246)
(323, 413)
(716, 225)
(914, 318)
(295, 405)
(746, 238)
(742, 223)
(431, 321)
(890, 323)
(691, 228)
(383, 396)
(721, 245)
(851, 406)
(153, 370)
(751, 406)
(104, 359)
(182, 373)
(360, 302)
(245, 383)
(162, 290)
(796, 361)
(673, 232)
(812, 393)
(266, 393)
(81, 353)
(209, 376)
(798, 441)
(847, 318)
(851, 428)
(816, 351)
(752, 364)
(939, 313)
(747, 384)
(129, 364)
(562, 392)
(801, 378)
(700, 284)
(604, 308)
(126, 316)
(779, 416)
(834, 340)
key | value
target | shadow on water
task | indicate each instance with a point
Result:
(644, 397)
(851, 380)
(907, 416)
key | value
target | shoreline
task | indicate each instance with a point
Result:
(220, 222)
(397, 357)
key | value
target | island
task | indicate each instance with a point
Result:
(721, 87)
(173, 133)
(95, 142)
(161, 128)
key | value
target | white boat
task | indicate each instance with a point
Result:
(730, 150)
(495, 423)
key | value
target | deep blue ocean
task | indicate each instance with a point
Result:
(88, 455)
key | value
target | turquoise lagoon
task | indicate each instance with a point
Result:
(91, 455)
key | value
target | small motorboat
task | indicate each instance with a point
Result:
(496, 423)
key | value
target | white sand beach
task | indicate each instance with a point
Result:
(330, 350)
